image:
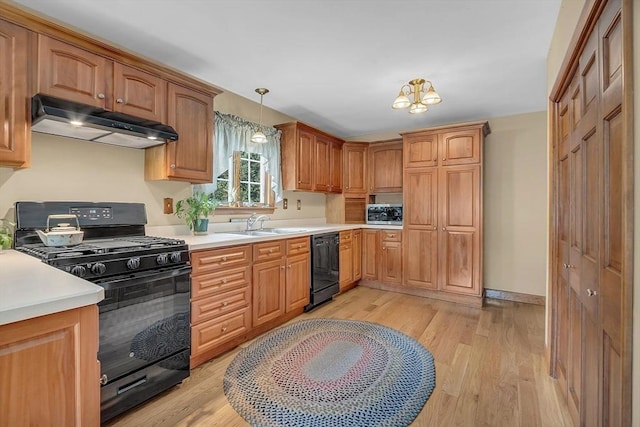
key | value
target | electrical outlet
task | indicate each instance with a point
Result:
(168, 205)
(299, 205)
(285, 203)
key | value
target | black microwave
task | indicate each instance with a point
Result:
(384, 214)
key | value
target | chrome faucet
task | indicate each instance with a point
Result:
(251, 221)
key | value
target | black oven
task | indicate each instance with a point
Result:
(325, 268)
(144, 336)
(144, 320)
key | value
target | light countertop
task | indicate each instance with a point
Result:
(222, 238)
(30, 288)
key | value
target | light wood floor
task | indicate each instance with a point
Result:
(490, 368)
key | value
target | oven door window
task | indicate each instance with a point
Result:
(143, 319)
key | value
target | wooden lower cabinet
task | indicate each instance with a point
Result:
(346, 259)
(298, 276)
(382, 256)
(220, 299)
(49, 370)
(268, 290)
(357, 255)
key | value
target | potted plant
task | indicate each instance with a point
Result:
(195, 210)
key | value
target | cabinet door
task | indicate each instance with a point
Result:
(357, 255)
(50, 370)
(298, 281)
(304, 160)
(322, 164)
(421, 150)
(386, 169)
(15, 134)
(369, 254)
(460, 147)
(139, 93)
(354, 169)
(335, 178)
(459, 246)
(74, 74)
(268, 291)
(346, 264)
(391, 262)
(190, 113)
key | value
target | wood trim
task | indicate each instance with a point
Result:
(229, 210)
(470, 300)
(483, 124)
(515, 296)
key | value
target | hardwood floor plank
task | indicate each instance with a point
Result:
(490, 368)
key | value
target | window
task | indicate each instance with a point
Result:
(244, 181)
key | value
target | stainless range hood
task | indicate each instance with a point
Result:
(56, 116)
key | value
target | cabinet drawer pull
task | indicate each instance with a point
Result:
(224, 329)
(120, 101)
(101, 96)
(224, 258)
(224, 280)
(225, 303)
(271, 250)
(592, 293)
(392, 235)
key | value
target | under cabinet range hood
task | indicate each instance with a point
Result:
(56, 116)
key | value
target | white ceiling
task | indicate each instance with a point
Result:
(338, 64)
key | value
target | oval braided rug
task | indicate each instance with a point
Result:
(330, 372)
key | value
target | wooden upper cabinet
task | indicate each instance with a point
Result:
(335, 171)
(139, 93)
(421, 150)
(15, 134)
(385, 166)
(354, 168)
(322, 164)
(311, 159)
(69, 72)
(190, 158)
(460, 147)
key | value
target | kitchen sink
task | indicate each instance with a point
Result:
(267, 231)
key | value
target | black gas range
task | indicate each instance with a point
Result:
(144, 320)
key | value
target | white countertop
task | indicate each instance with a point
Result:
(30, 288)
(223, 238)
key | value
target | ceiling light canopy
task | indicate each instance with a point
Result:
(259, 137)
(421, 98)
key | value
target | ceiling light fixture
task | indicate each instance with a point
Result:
(259, 137)
(416, 87)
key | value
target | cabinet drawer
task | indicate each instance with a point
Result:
(345, 236)
(391, 235)
(300, 245)
(220, 304)
(208, 334)
(216, 259)
(268, 250)
(205, 285)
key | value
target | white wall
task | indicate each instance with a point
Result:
(69, 169)
(515, 210)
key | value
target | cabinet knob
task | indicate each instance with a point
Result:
(392, 235)
(591, 293)
(172, 166)
(444, 158)
(224, 329)
(103, 379)
(225, 303)
(271, 250)
(224, 280)
(101, 96)
(444, 228)
(435, 159)
(282, 267)
(299, 182)
(289, 266)
(565, 265)
(120, 101)
(224, 258)
(435, 227)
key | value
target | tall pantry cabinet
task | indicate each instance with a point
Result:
(592, 234)
(443, 211)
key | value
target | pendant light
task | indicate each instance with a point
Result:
(259, 137)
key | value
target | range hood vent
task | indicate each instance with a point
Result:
(56, 116)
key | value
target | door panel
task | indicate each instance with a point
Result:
(421, 203)
(304, 162)
(421, 258)
(460, 147)
(574, 377)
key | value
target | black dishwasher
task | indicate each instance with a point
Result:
(325, 268)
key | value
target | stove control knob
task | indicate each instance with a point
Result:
(176, 257)
(98, 268)
(78, 270)
(133, 263)
(162, 259)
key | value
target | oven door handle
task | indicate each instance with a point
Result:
(117, 282)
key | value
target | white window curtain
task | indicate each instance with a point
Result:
(233, 133)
